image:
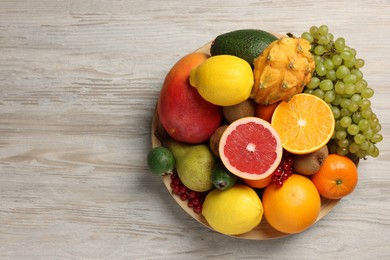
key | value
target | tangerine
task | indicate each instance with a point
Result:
(336, 178)
(266, 111)
(304, 124)
(259, 184)
(293, 207)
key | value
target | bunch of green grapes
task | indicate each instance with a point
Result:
(339, 81)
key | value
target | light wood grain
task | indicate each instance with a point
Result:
(79, 83)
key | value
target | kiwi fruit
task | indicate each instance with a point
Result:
(214, 139)
(243, 109)
(309, 164)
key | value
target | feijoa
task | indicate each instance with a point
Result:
(161, 161)
(222, 178)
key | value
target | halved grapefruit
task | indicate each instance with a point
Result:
(250, 148)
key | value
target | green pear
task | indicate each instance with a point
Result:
(194, 164)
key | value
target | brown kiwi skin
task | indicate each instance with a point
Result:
(243, 109)
(309, 164)
(214, 139)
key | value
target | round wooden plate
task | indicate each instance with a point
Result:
(263, 231)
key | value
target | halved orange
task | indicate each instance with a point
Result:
(305, 123)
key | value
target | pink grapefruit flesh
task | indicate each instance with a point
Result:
(250, 148)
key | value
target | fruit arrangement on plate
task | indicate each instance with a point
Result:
(258, 135)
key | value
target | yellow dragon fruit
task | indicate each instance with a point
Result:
(282, 70)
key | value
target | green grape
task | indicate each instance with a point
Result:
(323, 30)
(355, 98)
(347, 48)
(341, 134)
(359, 138)
(314, 82)
(374, 121)
(353, 51)
(375, 153)
(323, 39)
(360, 86)
(350, 79)
(345, 112)
(337, 60)
(350, 89)
(368, 134)
(345, 121)
(339, 87)
(342, 151)
(367, 113)
(371, 149)
(339, 44)
(342, 71)
(337, 99)
(364, 104)
(338, 126)
(353, 129)
(335, 110)
(326, 84)
(376, 138)
(319, 93)
(328, 63)
(364, 125)
(353, 107)
(367, 93)
(346, 55)
(339, 81)
(356, 117)
(331, 74)
(329, 96)
(358, 74)
(318, 59)
(353, 147)
(350, 63)
(376, 129)
(319, 50)
(359, 63)
(307, 36)
(313, 30)
(343, 143)
(320, 69)
(345, 102)
(328, 47)
(365, 145)
(361, 154)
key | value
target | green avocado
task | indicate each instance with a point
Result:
(246, 44)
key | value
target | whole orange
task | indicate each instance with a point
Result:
(294, 207)
(336, 178)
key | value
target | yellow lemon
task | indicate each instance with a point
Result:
(223, 80)
(234, 211)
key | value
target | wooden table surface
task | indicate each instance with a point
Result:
(79, 82)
